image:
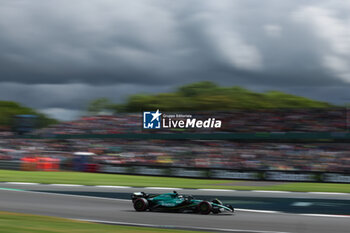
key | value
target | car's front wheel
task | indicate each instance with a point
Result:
(141, 204)
(204, 207)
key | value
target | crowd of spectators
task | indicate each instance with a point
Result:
(334, 157)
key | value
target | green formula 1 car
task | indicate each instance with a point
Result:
(173, 202)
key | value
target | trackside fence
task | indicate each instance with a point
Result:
(43, 164)
(220, 173)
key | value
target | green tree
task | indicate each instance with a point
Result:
(207, 96)
(9, 109)
(100, 105)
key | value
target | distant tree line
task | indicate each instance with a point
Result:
(207, 96)
(201, 96)
(9, 109)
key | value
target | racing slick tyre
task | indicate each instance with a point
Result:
(204, 207)
(140, 204)
(230, 206)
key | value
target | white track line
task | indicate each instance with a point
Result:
(279, 212)
(163, 188)
(177, 227)
(214, 190)
(268, 191)
(328, 193)
(67, 185)
(22, 183)
(69, 195)
(111, 186)
(326, 215)
(217, 190)
(259, 211)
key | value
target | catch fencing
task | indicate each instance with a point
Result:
(220, 173)
(44, 164)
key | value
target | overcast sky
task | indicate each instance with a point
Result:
(57, 55)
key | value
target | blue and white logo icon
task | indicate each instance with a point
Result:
(151, 120)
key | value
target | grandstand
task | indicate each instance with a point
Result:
(316, 156)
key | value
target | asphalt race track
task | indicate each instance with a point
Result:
(82, 202)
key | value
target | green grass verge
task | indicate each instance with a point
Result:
(150, 181)
(13, 222)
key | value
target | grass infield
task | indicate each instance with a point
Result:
(14, 222)
(151, 181)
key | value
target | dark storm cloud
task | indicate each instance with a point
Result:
(71, 96)
(71, 53)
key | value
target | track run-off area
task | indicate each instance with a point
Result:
(256, 211)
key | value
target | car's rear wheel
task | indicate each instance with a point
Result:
(204, 207)
(141, 204)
